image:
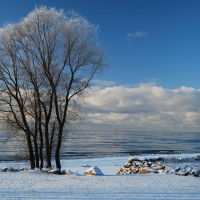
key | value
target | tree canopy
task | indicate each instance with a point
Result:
(47, 60)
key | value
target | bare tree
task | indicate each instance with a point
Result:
(46, 62)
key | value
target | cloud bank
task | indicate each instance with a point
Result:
(142, 107)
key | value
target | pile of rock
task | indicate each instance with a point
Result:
(92, 171)
(57, 171)
(143, 166)
(134, 166)
(185, 171)
(11, 169)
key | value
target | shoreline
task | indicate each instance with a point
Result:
(105, 155)
(34, 184)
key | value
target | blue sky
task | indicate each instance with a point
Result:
(166, 50)
(152, 44)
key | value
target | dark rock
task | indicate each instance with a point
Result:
(177, 169)
(5, 169)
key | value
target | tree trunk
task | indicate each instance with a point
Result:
(57, 151)
(41, 148)
(57, 158)
(36, 152)
(48, 158)
(51, 139)
(30, 149)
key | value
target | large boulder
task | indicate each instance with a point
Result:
(184, 171)
(147, 170)
(130, 160)
(128, 165)
(196, 171)
(5, 169)
(93, 171)
(122, 170)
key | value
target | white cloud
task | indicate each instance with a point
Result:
(145, 106)
(103, 83)
(137, 34)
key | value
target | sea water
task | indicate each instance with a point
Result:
(78, 144)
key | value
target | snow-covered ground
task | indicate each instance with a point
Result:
(30, 184)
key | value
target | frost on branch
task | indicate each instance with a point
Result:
(47, 60)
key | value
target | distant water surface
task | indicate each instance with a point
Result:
(103, 143)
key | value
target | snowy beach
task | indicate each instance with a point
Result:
(100, 99)
(34, 184)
